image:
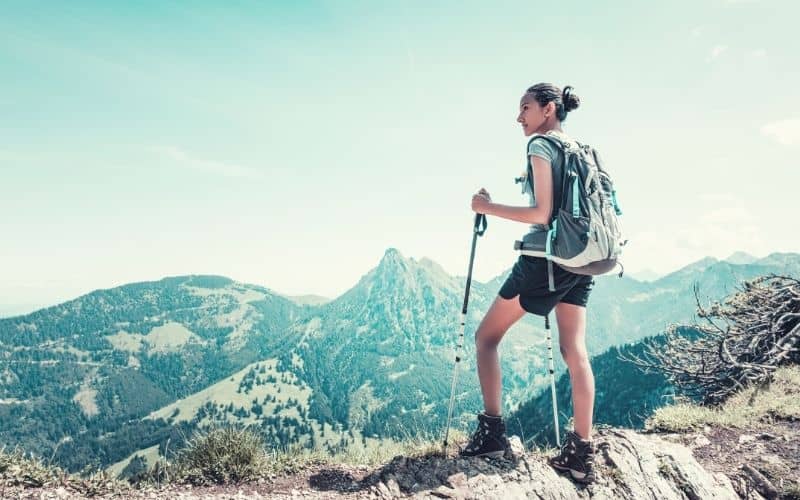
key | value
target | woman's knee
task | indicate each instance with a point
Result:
(574, 355)
(486, 340)
(502, 314)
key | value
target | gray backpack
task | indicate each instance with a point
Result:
(584, 234)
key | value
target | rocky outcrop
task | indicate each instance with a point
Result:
(630, 466)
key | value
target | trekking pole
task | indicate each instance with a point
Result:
(478, 230)
(552, 377)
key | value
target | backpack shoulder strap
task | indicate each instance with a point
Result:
(551, 224)
(553, 140)
(561, 147)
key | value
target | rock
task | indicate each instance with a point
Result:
(517, 448)
(383, 491)
(393, 487)
(700, 441)
(771, 458)
(649, 467)
(458, 481)
(746, 438)
(445, 492)
(630, 466)
(763, 485)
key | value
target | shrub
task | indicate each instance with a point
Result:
(222, 455)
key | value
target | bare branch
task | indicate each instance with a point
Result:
(761, 332)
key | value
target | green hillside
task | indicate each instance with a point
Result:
(115, 372)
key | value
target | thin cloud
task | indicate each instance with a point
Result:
(723, 226)
(184, 159)
(786, 132)
(720, 231)
(717, 51)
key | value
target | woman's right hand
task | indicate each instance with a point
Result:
(481, 201)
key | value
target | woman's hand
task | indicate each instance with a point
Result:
(481, 201)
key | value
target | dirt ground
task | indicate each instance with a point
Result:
(771, 448)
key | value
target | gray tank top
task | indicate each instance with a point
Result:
(544, 149)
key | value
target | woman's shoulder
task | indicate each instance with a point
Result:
(562, 136)
(546, 148)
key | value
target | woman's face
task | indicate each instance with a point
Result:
(531, 115)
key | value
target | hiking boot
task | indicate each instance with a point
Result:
(489, 439)
(577, 457)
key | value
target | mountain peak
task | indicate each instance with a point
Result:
(406, 283)
(392, 252)
(741, 258)
(393, 258)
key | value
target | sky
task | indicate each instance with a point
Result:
(290, 144)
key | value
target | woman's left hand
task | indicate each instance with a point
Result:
(481, 201)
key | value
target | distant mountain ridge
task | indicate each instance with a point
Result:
(124, 369)
(739, 258)
(647, 275)
(308, 300)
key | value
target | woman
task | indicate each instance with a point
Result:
(542, 110)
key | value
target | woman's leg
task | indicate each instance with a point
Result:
(501, 315)
(572, 338)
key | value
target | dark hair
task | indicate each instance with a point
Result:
(565, 101)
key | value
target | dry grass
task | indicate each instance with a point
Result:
(225, 455)
(296, 457)
(780, 399)
(412, 446)
(19, 470)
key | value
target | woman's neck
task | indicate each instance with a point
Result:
(556, 128)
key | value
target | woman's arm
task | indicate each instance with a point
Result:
(543, 186)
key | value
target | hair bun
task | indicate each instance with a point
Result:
(571, 101)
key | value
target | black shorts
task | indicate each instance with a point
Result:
(528, 279)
